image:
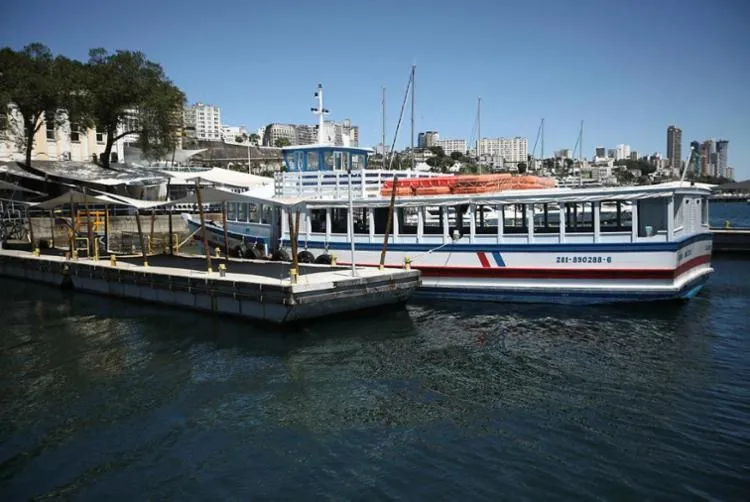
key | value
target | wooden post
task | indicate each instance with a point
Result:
(89, 231)
(151, 235)
(226, 231)
(170, 209)
(52, 227)
(140, 236)
(106, 228)
(73, 231)
(206, 246)
(31, 228)
(293, 240)
(389, 222)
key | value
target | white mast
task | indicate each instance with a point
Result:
(320, 112)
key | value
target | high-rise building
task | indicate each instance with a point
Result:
(707, 156)
(452, 145)
(622, 152)
(600, 152)
(722, 147)
(674, 146)
(203, 122)
(509, 149)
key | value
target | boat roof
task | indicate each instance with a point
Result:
(529, 196)
(326, 147)
(219, 176)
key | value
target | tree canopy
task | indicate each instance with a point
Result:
(39, 86)
(125, 93)
(282, 142)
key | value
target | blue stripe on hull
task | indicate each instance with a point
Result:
(219, 232)
(558, 296)
(630, 247)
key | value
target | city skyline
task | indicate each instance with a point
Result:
(248, 62)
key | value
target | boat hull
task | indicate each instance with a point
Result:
(560, 273)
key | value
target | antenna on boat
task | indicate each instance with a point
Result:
(687, 164)
(383, 141)
(320, 112)
(479, 135)
(413, 81)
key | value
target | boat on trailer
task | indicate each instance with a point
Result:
(548, 244)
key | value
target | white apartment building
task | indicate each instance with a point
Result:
(451, 145)
(622, 152)
(52, 142)
(230, 133)
(509, 149)
(273, 132)
(203, 122)
(334, 133)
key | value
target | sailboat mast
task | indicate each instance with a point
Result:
(479, 134)
(413, 158)
(383, 127)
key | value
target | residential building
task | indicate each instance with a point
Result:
(674, 146)
(451, 145)
(231, 133)
(57, 141)
(622, 152)
(427, 139)
(633, 155)
(565, 153)
(707, 158)
(339, 134)
(722, 147)
(509, 149)
(600, 152)
(203, 122)
(274, 132)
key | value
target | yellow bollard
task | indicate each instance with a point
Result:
(407, 263)
(727, 224)
(293, 276)
(222, 269)
(36, 252)
(218, 252)
(113, 260)
(333, 259)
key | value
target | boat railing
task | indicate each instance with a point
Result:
(335, 184)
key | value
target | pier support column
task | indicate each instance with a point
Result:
(140, 236)
(226, 231)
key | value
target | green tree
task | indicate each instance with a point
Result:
(522, 166)
(239, 139)
(282, 142)
(254, 139)
(437, 150)
(457, 156)
(125, 93)
(38, 85)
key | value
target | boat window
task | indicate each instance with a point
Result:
(458, 219)
(546, 218)
(328, 160)
(312, 161)
(361, 221)
(358, 161)
(485, 219)
(318, 220)
(338, 221)
(704, 211)
(514, 217)
(579, 217)
(242, 212)
(433, 220)
(407, 220)
(652, 216)
(252, 213)
(679, 202)
(232, 211)
(615, 216)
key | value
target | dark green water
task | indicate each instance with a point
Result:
(108, 400)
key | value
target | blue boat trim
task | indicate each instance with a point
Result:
(630, 247)
(215, 229)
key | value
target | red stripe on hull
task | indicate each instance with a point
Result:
(554, 273)
(483, 259)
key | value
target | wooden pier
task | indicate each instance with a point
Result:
(262, 290)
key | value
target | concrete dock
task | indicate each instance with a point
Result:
(249, 288)
(731, 240)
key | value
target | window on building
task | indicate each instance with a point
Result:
(100, 137)
(50, 125)
(75, 133)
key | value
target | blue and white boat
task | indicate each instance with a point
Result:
(570, 245)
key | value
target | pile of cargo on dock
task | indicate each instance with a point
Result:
(465, 184)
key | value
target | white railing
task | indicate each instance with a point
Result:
(335, 184)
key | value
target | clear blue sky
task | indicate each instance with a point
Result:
(628, 69)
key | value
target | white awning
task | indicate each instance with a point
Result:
(210, 195)
(220, 176)
(77, 197)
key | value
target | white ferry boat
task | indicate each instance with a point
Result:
(571, 245)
